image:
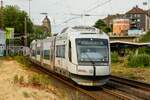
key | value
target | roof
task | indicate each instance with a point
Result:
(110, 17)
(136, 10)
(130, 43)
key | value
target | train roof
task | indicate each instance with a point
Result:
(81, 29)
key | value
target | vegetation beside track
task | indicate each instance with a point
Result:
(134, 65)
(25, 81)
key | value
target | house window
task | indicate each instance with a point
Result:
(138, 15)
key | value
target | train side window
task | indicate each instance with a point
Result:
(60, 51)
(46, 54)
(69, 53)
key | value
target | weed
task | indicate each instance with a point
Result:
(16, 79)
(39, 79)
(21, 79)
(24, 61)
(25, 94)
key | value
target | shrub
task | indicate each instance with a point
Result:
(144, 50)
(140, 60)
(114, 57)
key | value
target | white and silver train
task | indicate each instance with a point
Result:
(79, 53)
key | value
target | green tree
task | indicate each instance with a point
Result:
(1, 19)
(100, 24)
(14, 17)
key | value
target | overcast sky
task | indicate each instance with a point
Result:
(61, 10)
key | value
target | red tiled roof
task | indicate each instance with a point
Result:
(136, 10)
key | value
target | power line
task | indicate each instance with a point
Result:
(99, 5)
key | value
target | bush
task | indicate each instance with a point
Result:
(114, 57)
(144, 50)
(140, 60)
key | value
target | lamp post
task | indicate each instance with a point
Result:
(29, 7)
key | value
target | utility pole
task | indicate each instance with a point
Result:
(29, 7)
(25, 32)
(1, 4)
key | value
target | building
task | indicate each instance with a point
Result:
(2, 42)
(139, 19)
(109, 19)
(121, 27)
(47, 25)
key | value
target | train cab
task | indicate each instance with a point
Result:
(85, 55)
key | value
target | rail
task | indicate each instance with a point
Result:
(94, 95)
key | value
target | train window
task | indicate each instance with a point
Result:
(60, 51)
(70, 51)
(38, 52)
(46, 54)
(33, 52)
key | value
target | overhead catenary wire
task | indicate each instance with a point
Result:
(99, 5)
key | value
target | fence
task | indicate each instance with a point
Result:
(14, 50)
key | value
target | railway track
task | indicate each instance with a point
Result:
(116, 89)
(137, 89)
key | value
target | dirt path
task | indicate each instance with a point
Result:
(10, 91)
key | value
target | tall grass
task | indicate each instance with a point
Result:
(140, 60)
(114, 57)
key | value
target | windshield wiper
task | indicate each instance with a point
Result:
(93, 63)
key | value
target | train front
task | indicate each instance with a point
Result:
(92, 54)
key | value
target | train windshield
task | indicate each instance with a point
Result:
(91, 49)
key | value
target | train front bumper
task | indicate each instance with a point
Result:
(90, 80)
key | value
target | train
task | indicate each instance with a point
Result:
(79, 53)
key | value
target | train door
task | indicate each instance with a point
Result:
(63, 58)
(38, 51)
(60, 59)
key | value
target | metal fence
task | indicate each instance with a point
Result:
(14, 50)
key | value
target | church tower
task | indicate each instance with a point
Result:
(47, 25)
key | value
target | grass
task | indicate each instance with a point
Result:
(135, 73)
(24, 61)
(39, 80)
(18, 79)
(140, 60)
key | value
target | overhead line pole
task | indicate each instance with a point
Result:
(1, 4)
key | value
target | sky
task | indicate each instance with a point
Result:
(61, 12)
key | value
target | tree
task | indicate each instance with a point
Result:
(12, 16)
(15, 18)
(1, 18)
(100, 24)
